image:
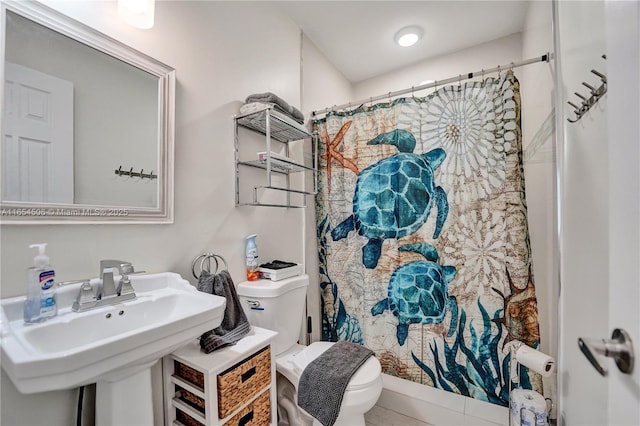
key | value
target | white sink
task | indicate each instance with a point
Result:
(108, 343)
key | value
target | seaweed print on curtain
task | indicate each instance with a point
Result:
(423, 239)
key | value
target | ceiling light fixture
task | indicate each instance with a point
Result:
(137, 13)
(408, 36)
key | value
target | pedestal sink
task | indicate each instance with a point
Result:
(113, 346)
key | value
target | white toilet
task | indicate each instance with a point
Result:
(279, 306)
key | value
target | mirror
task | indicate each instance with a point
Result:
(87, 124)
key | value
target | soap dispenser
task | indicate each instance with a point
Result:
(41, 292)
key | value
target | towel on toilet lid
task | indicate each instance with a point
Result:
(325, 379)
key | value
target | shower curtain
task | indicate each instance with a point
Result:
(423, 241)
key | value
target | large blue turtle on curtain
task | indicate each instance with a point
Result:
(393, 197)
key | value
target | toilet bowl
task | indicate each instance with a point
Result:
(363, 389)
(279, 306)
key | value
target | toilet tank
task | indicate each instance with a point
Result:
(277, 306)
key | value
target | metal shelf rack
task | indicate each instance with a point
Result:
(277, 129)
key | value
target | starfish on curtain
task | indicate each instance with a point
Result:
(332, 153)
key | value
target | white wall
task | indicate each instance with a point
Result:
(322, 86)
(222, 52)
(483, 56)
(538, 141)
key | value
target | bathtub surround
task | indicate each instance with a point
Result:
(438, 407)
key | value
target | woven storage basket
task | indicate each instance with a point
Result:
(241, 382)
(186, 419)
(189, 374)
(191, 399)
(257, 413)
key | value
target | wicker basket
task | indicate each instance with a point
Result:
(257, 413)
(193, 376)
(190, 399)
(186, 420)
(243, 381)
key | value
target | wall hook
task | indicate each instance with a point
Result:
(131, 173)
(594, 96)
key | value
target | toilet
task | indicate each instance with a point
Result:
(279, 306)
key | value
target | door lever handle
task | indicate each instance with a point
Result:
(619, 347)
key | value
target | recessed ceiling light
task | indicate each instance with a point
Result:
(408, 36)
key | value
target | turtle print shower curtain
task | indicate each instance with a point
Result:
(422, 236)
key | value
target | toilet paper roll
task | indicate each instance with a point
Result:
(535, 360)
(528, 408)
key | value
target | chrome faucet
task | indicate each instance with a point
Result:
(107, 292)
(107, 267)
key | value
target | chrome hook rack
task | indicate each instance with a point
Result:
(594, 96)
(141, 174)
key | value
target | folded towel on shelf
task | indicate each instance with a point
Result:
(257, 106)
(234, 325)
(280, 104)
(325, 379)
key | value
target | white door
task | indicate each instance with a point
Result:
(600, 210)
(37, 148)
(623, 55)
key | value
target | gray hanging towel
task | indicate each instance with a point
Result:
(234, 325)
(325, 379)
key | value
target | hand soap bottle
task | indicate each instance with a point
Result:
(41, 292)
(251, 254)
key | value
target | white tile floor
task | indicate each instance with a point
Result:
(379, 416)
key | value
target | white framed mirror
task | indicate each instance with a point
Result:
(87, 124)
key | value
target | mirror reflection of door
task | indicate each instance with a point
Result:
(38, 137)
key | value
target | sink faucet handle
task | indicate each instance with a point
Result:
(126, 268)
(86, 297)
(124, 286)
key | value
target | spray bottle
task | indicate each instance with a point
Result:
(41, 292)
(251, 254)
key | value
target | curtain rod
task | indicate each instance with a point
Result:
(544, 58)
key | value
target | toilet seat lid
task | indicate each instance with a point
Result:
(368, 372)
